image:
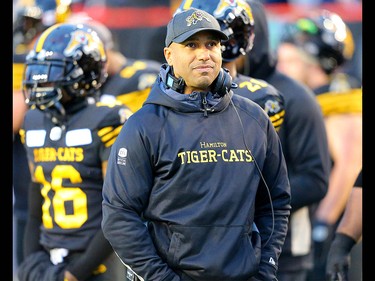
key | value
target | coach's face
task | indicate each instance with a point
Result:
(197, 60)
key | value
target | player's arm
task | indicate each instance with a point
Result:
(98, 250)
(306, 149)
(19, 105)
(348, 233)
(351, 222)
(34, 220)
(19, 110)
(345, 144)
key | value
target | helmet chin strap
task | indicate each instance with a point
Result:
(57, 113)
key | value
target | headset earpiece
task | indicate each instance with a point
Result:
(176, 84)
(223, 83)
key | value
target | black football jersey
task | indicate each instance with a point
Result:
(67, 162)
(264, 94)
(132, 84)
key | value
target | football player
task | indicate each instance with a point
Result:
(68, 137)
(313, 50)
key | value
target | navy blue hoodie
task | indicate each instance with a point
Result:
(183, 191)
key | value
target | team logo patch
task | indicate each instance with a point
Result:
(271, 106)
(89, 41)
(121, 156)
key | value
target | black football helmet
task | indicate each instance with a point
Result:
(66, 58)
(236, 21)
(324, 36)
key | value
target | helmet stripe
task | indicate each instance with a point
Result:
(43, 37)
(187, 4)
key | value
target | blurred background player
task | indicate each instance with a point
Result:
(313, 50)
(305, 148)
(68, 138)
(236, 21)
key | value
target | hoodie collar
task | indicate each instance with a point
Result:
(204, 102)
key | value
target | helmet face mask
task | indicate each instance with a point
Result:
(43, 82)
(43, 97)
(236, 21)
(71, 58)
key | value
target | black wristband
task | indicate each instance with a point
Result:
(344, 241)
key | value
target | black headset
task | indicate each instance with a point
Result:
(222, 84)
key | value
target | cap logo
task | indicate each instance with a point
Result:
(195, 17)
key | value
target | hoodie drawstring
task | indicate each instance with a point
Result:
(204, 103)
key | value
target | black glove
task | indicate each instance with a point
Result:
(338, 260)
(38, 267)
(34, 266)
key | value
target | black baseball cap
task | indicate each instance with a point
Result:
(186, 23)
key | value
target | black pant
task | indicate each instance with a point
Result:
(292, 276)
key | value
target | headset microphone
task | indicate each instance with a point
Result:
(176, 84)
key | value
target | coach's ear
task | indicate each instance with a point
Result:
(168, 55)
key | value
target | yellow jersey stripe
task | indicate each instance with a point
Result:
(43, 37)
(343, 102)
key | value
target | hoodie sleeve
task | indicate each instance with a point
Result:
(308, 154)
(272, 207)
(126, 190)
